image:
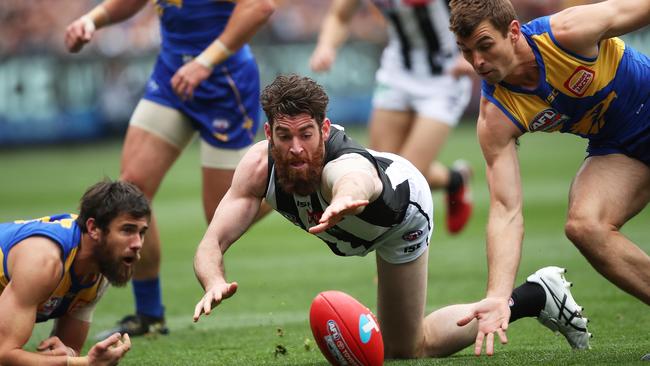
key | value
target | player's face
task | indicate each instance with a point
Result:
(298, 149)
(119, 248)
(489, 52)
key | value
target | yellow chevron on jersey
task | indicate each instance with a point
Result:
(577, 76)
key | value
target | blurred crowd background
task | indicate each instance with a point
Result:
(48, 95)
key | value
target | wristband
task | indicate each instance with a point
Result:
(223, 47)
(202, 59)
(76, 361)
(89, 25)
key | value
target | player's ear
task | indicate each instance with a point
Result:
(325, 129)
(267, 131)
(514, 31)
(93, 229)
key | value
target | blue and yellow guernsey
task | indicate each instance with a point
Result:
(70, 296)
(605, 99)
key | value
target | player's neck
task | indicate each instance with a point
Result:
(526, 72)
(84, 265)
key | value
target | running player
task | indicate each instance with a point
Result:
(422, 90)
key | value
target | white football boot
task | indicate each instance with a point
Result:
(561, 313)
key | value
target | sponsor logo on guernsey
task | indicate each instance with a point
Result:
(547, 120)
(220, 124)
(580, 80)
(412, 235)
(366, 325)
(337, 346)
(51, 305)
(314, 216)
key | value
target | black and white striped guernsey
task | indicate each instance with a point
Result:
(354, 235)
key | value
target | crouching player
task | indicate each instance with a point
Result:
(58, 267)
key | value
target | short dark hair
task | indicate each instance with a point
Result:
(291, 95)
(466, 15)
(106, 200)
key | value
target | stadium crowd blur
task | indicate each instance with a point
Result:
(36, 26)
(40, 83)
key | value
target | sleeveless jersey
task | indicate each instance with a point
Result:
(70, 296)
(419, 38)
(225, 107)
(605, 99)
(357, 235)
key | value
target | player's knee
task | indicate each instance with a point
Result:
(584, 232)
(140, 180)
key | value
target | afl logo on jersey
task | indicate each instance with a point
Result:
(547, 120)
(580, 80)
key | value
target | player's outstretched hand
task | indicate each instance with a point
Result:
(78, 34)
(213, 297)
(53, 346)
(188, 77)
(322, 58)
(335, 211)
(493, 315)
(110, 350)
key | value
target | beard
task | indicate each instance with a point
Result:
(302, 182)
(111, 266)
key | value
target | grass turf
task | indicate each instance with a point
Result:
(280, 269)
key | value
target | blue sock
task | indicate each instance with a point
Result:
(148, 298)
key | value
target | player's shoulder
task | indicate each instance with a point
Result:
(256, 156)
(36, 252)
(252, 172)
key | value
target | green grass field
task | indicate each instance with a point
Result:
(280, 269)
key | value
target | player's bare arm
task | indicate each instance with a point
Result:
(497, 137)
(247, 18)
(334, 32)
(580, 28)
(108, 12)
(349, 183)
(35, 268)
(232, 218)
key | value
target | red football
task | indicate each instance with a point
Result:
(347, 332)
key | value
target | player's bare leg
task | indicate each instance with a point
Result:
(156, 136)
(422, 146)
(607, 192)
(389, 129)
(401, 298)
(146, 158)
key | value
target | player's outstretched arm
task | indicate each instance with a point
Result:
(497, 136)
(581, 28)
(232, 218)
(247, 18)
(35, 268)
(352, 182)
(335, 30)
(81, 31)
